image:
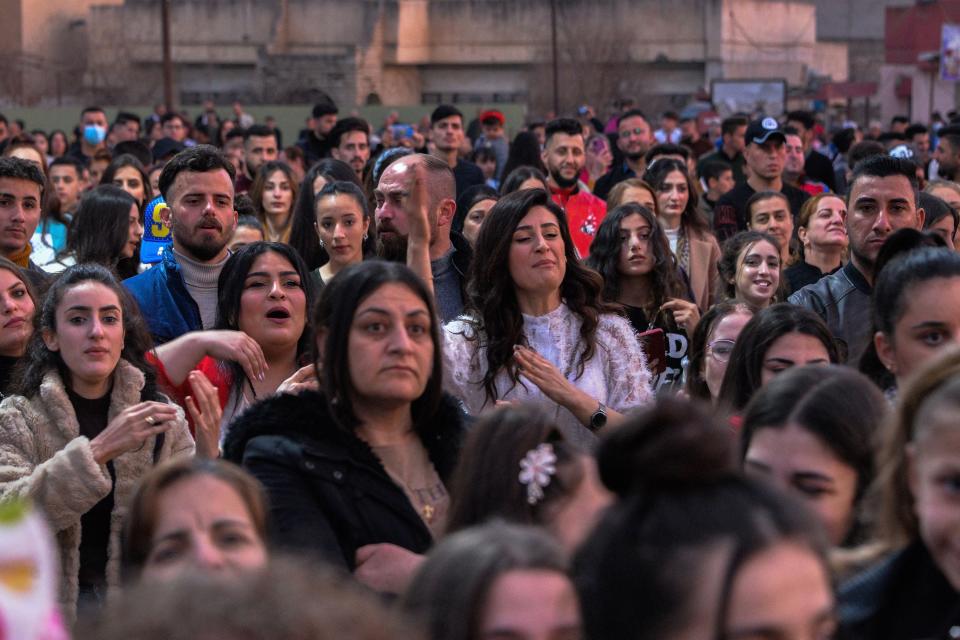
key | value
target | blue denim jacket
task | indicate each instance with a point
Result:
(164, 300)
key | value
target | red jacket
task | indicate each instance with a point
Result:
(585, 212)
(178, 393)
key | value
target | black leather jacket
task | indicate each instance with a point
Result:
(842, 299)
(902, 597)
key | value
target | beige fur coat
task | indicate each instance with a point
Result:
(43, 458)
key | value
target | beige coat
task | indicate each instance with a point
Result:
(43, 457)
(704, 267)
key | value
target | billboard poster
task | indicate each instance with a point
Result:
(156, 234)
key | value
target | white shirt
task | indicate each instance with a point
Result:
(673, 236)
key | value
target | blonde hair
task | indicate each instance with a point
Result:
(810, 207)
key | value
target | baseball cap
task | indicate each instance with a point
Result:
(166, 147)
(761, 130)
(493, 114)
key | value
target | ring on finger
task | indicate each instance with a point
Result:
(151, 420)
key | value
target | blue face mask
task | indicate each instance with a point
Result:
(94, 134)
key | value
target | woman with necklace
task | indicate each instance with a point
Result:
(357, 471)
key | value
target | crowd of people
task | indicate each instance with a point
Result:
(624, 379)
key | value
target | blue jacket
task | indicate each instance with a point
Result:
(166, 304)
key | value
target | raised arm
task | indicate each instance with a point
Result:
(180, 356)
(418, 216)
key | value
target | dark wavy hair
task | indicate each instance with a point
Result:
(656, 175)
(334, 316)
(39, 359)
(664, 281)
(491, 295)
(303, 235)
(230, 286)
(730, 263)
(101, 226)
(129, 267)
(743, 374)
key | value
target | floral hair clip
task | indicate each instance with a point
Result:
(536, 469)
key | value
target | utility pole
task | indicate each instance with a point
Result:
(556, 68)
(167, 62)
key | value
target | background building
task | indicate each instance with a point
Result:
(659, 52)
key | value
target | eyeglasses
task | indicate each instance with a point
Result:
(637, 132)
(721, 349)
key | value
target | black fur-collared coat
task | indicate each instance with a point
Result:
(329, 494)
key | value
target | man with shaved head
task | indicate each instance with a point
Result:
(449, 252)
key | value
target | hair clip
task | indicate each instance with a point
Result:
(536, 469)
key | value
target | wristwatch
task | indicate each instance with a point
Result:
(599, 418)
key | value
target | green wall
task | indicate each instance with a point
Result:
(290, 118)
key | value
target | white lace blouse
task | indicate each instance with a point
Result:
(616, 375)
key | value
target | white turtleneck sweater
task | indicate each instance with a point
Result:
(201, 279)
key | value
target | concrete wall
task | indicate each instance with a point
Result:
(832, 59)
(890, 104)
(400, 50)
(860, 25)
(768, 39)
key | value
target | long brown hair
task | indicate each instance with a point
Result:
(656, 175)
(259, 184)
(665, 280)
(491, 293)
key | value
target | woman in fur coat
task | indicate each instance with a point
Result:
(87, 423)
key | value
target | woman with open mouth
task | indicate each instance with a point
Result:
(750, 270)
(88, 422)
(260, 340)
